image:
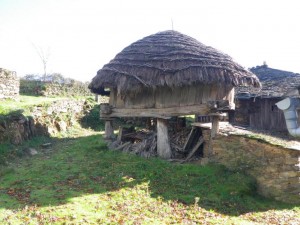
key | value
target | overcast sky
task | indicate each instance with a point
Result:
(83, 35)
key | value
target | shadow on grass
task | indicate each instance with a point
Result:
(76, 167)
(92, 119)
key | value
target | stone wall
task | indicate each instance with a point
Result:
(276, 169)
(45, 120)
(49, 89)
(9, 84)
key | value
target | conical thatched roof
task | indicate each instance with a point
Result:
(171, 59)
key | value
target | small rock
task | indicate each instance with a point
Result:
(32, 151)
(46, 145)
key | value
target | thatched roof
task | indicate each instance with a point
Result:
(171, 59)
(275, 84)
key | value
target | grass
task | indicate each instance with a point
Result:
(24, 103)
(80, 181)
(9, 151)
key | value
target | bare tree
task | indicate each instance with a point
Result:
(44, 56)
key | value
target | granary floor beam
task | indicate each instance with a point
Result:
(163, 142)
(164, 113)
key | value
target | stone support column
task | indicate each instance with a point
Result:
(163, 142)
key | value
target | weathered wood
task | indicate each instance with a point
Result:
(120, 134)
(120, 147)
(164, 113)
(192, 138)
(176, 147)
(164, 97)
(221, 105)
(105, 109)
(196, 147)
(215, 126)
(109, 131)
(163, 142)
(202, 125)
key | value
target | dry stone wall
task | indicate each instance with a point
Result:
(45, 120)
(275, 168)
(40, 88)
(9, 84)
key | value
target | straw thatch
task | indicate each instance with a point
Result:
(171, 59)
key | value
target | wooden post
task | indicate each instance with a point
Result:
(109, 131)
(163, 143)
(119, 138)
(215, 126)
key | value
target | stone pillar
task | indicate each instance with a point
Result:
(105, 111)
(207, 148)
(215, 126)
(163, 142)
(109, 131)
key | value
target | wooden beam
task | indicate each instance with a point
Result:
(164, 113)
(120, 134)
(196, 147)
(192, 138)
(163, 142)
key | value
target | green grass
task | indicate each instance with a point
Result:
(9, 151)
(79, 181)
(24, 103)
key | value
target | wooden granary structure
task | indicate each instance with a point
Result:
(168, 74)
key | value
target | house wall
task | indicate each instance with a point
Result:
(164, 97)
(260, 113)
(9, 84)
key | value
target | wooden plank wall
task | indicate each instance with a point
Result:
(266, 115)
(165, 97)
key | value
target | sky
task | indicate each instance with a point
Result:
(80, 36)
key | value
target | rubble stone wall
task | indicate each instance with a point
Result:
(44, 120)
(276, 169)
(49, 89)
(9, 84)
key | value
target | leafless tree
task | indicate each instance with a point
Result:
(44, 56)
